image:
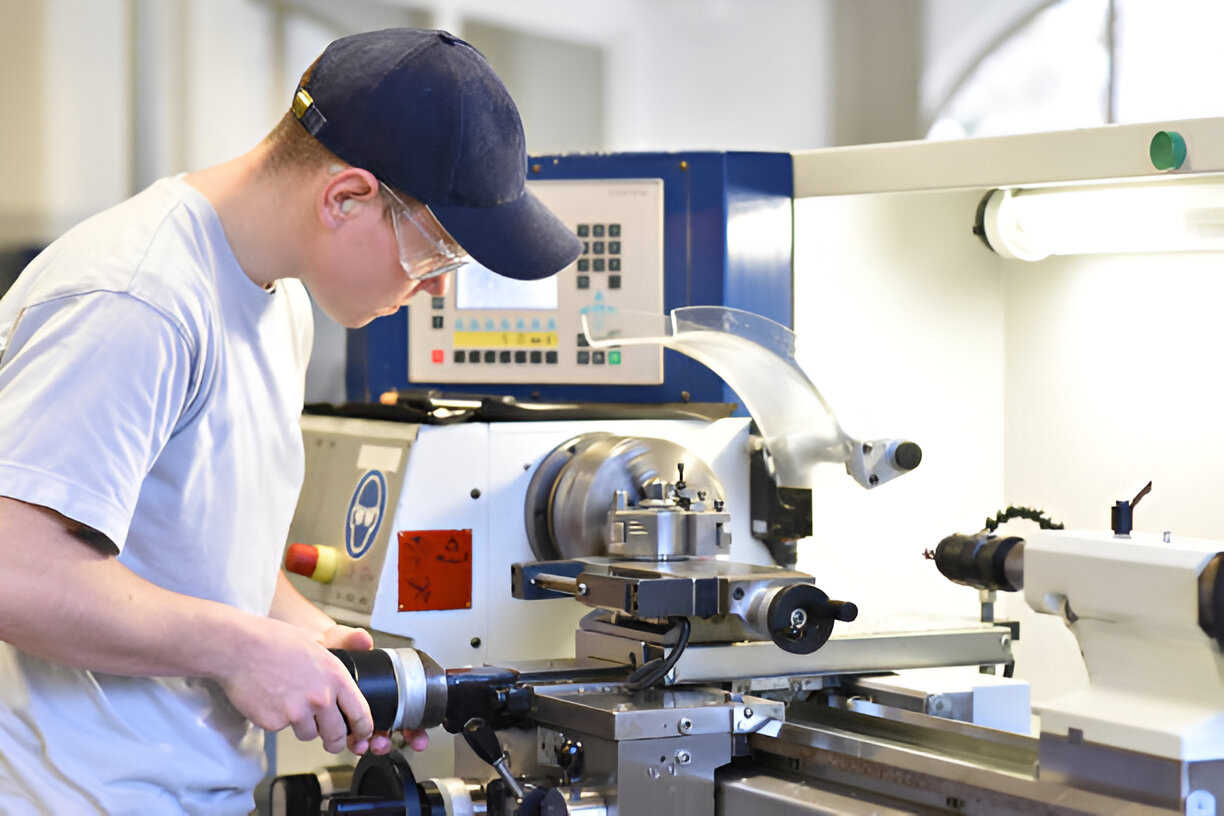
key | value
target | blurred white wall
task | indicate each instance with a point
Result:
(104, 96)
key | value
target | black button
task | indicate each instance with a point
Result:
(584, 357)
(597, 230)
(550, 356)
(584, 282)
(536, 356)
(614, 264)
(520, 356)
(503, 357)
(614, 281)
(614, 247)
(614, 230)
(599, 265)
(473, 356)
(583, 230)
(597, 357)
(437, 321)
(598, 247)
(460, 356)
(490, 356)
(584, 265)
(586, 247)
(438, 302)
(582, 341)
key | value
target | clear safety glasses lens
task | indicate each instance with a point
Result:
(425, 249)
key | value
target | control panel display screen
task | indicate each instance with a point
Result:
(488, 329)
(478, 288)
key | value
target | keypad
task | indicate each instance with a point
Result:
(598, 255)
(601, 254)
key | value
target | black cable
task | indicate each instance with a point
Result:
(653, 672)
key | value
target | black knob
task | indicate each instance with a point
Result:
(907, 456)
(483, 741)
(569, 757)
(801, 616)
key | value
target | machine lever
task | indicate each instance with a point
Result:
(1121, 515)
(484, 743)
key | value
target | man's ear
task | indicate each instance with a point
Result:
(343, 191)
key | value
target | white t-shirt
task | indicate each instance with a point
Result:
(150, 390)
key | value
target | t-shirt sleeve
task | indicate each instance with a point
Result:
(91, 388)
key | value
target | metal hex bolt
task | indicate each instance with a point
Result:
(683, 757)
(685, 725)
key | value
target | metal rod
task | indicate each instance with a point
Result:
(557, 583)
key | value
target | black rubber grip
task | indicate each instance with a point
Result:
(375, 676)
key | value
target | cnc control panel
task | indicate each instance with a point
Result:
(488, 329)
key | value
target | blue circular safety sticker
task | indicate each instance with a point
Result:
(365, 513)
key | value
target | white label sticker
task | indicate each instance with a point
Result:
(379, 457)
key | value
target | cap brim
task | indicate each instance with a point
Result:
(520, 239)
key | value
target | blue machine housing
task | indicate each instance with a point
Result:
(728, 241)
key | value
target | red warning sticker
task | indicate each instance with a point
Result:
(435, 570)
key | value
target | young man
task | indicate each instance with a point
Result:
(151, 377)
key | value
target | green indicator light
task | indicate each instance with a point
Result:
(1168, 150)
(614, 358)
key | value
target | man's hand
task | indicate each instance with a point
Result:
(359, 640)
(287, 678)
(346, 637)
(290, 606)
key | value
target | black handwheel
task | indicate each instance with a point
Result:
(801, 617)
(543, 802)
(390, 778)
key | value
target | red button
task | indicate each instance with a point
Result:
(301, 559)
(436, 355)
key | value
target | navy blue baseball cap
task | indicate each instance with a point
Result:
(424, 112)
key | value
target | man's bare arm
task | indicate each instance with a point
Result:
(64, 600)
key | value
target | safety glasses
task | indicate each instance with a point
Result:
(426, 250)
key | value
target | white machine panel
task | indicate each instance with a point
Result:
(488, 329)
(475, 477)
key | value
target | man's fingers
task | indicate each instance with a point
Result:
(332, 729)
(356, 640)
(305, 729)
(356, 712)
(417, 740)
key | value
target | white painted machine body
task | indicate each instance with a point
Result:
(1154, 676)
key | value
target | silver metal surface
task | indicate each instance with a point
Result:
(654, 751)
(576, 485)
(610, 712)
(668, 533)
(422, 689)
(936, 764)
(1154, 780)
(651, 780)
(952, 705)
(845, 654)
(774, 792)
(557, 583)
